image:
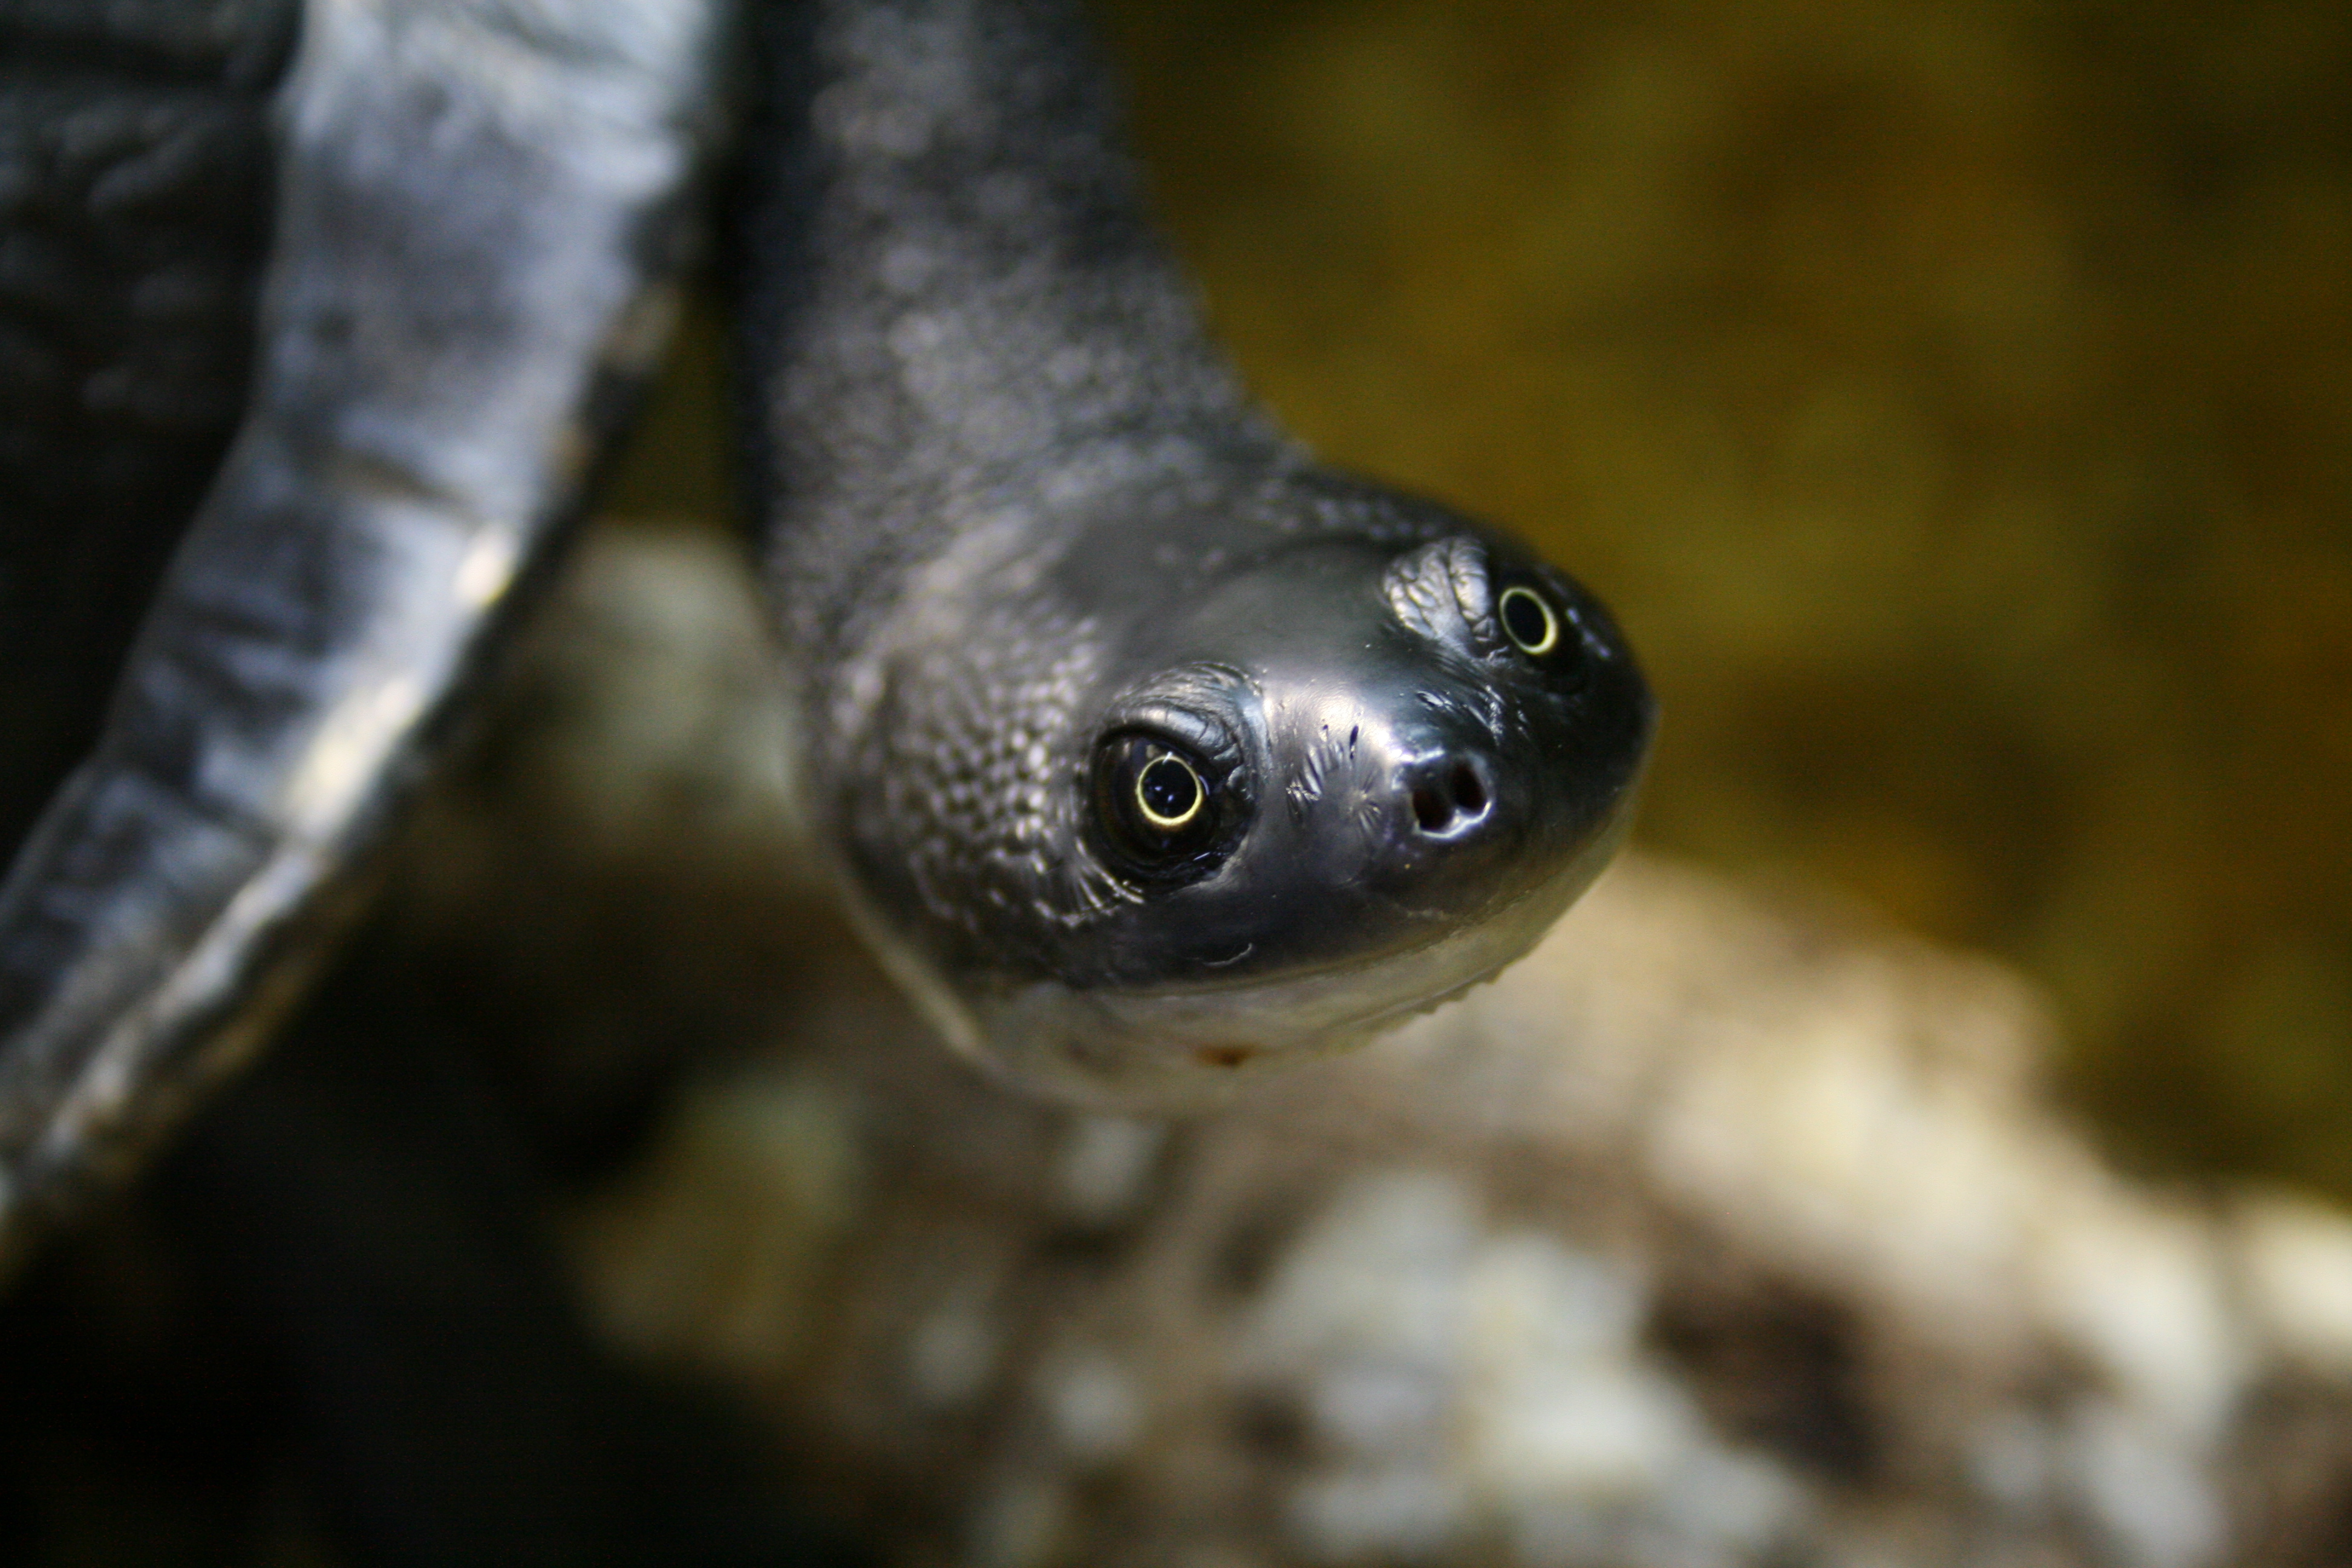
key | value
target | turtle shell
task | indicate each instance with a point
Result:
(293, 412)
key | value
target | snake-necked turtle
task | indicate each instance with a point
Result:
(1146, 748)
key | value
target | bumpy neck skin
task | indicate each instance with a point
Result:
(1041, 566)
(957, 302)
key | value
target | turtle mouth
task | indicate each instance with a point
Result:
(1168, 1046)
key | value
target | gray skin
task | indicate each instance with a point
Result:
(1011, 500)
(1017, 504)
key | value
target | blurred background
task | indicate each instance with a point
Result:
(1953, 400)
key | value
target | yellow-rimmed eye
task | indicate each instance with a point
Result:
(1161, 809)
(1530, 623)
(1169, 793)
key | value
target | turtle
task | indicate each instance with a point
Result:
(1145, 749)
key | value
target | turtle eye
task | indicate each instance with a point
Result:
(1169, 793)
(1529, 620)
(1159, 806)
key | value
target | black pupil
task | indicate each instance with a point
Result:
(1524, 618)
(1169, 790)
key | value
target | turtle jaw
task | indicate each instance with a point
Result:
(1176, 1049)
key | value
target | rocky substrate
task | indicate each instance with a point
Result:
(1723, 1229)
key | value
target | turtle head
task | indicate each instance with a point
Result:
(1287, 799)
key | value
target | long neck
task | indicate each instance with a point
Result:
(956, 304)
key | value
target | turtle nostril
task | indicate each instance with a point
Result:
(1444, 801)
(1469, 790)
